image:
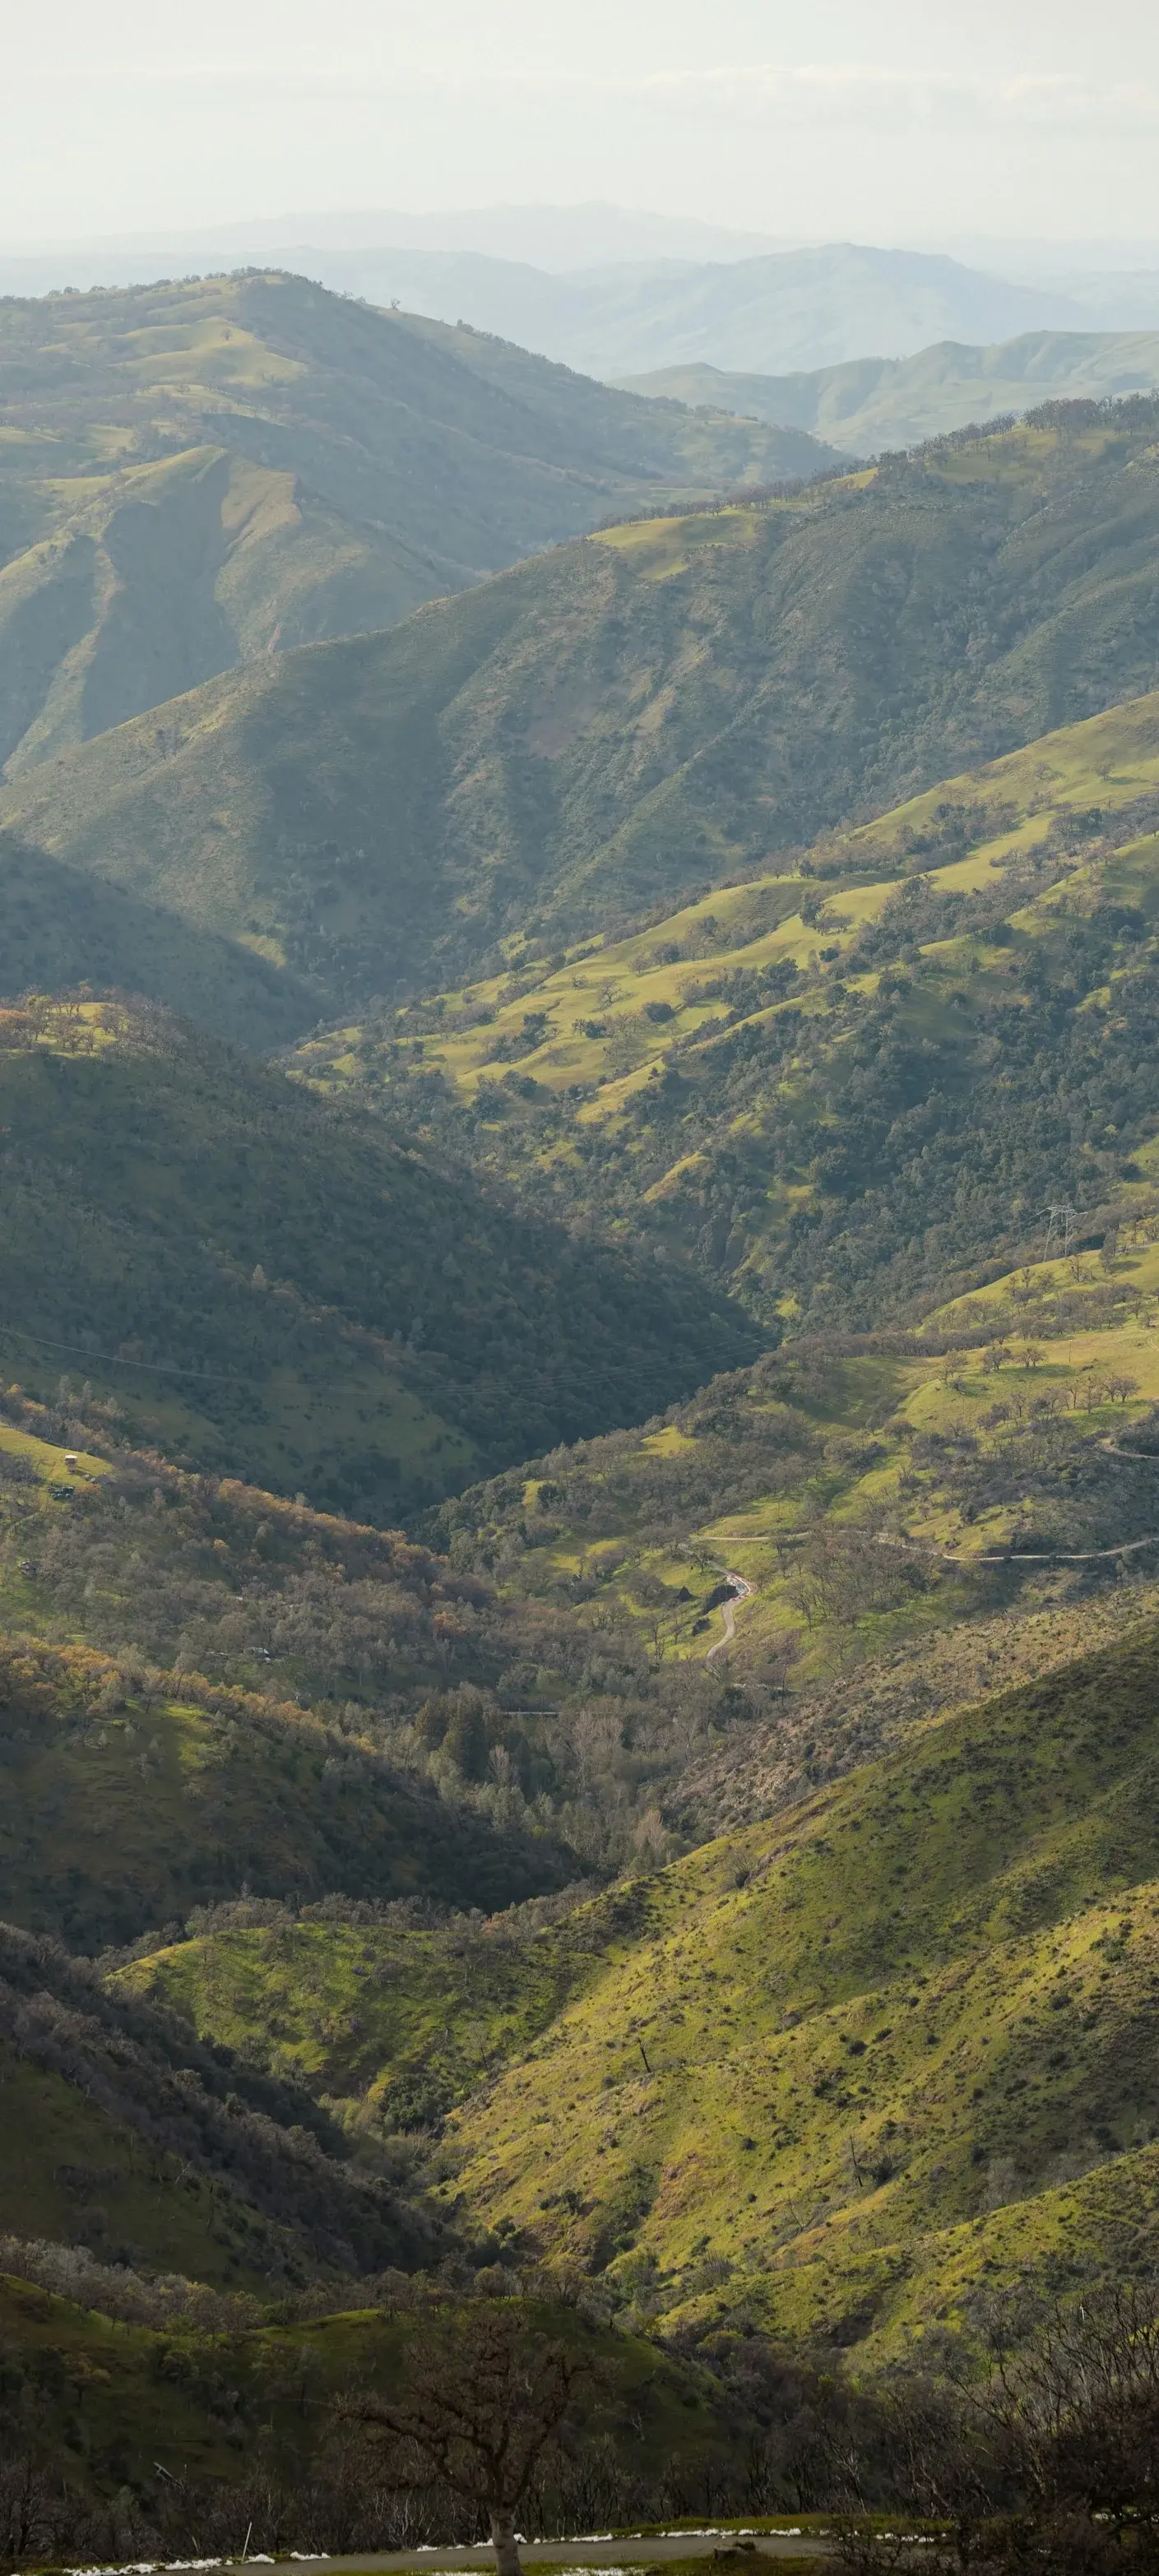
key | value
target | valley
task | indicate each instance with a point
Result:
(613, 728)
(579, 1427)
(762, 1081)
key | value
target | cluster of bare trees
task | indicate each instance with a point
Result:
(1036, 2452)
(1030, 2444)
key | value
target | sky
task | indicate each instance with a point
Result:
(882, 121)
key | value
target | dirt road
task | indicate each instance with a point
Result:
(740, 1592)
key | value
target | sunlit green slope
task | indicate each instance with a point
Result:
(902, 1502)
(618, 725)
(848, 1087)
(850, 2037)
(126, 2136)
(832, 2072)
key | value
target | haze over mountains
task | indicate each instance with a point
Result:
(872, 403)
(194, 475)
(612, 292)
(782, 310)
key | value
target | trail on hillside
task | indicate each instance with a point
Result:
(740, 1592)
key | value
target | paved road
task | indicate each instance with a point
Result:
(590, 2553)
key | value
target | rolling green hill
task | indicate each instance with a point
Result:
(829, 2074)
(153, 2419)
(275, 1290)
(866, 404)
(125, 2135)
(132, 1797)
(193, 474)
(619, 725)
(912, 1514)
(844, 1089)
(947, 1961)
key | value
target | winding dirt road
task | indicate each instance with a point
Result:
(740, 1592)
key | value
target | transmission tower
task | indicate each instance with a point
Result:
(1061, 1221)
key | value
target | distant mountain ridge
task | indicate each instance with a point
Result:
(194, 475)
(776, 311)
(871, 403)
(558, 238)
(612, 293)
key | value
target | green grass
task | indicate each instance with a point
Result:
(396, 2020)
(71, 2172)
(849, 2015)
(835, 2072)
(129, 1803)
(139, 2147)
(116, 2400)
(821, 1087)
(402, 2020)
(104, 2405)
(866, 1498)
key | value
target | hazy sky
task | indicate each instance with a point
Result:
(883, 120)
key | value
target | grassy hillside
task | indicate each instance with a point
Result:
(133, 1797)
(397, 2019)
(129, 2138)
(195, 473)
(619, 725)
(847, 1089)
(906, 1534)
(277, 1291)
(870, 403)
(152, 2422)
(911, 1513)
(829, 2075)
(893, 2044)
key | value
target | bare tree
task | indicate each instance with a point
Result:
(486, 2392)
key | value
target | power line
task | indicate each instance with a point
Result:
(112, 1359)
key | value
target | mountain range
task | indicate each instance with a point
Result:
(578, 1299)
(780, 310)
(874, 403)
(196, 474)
(609, 729)
(610, 291)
